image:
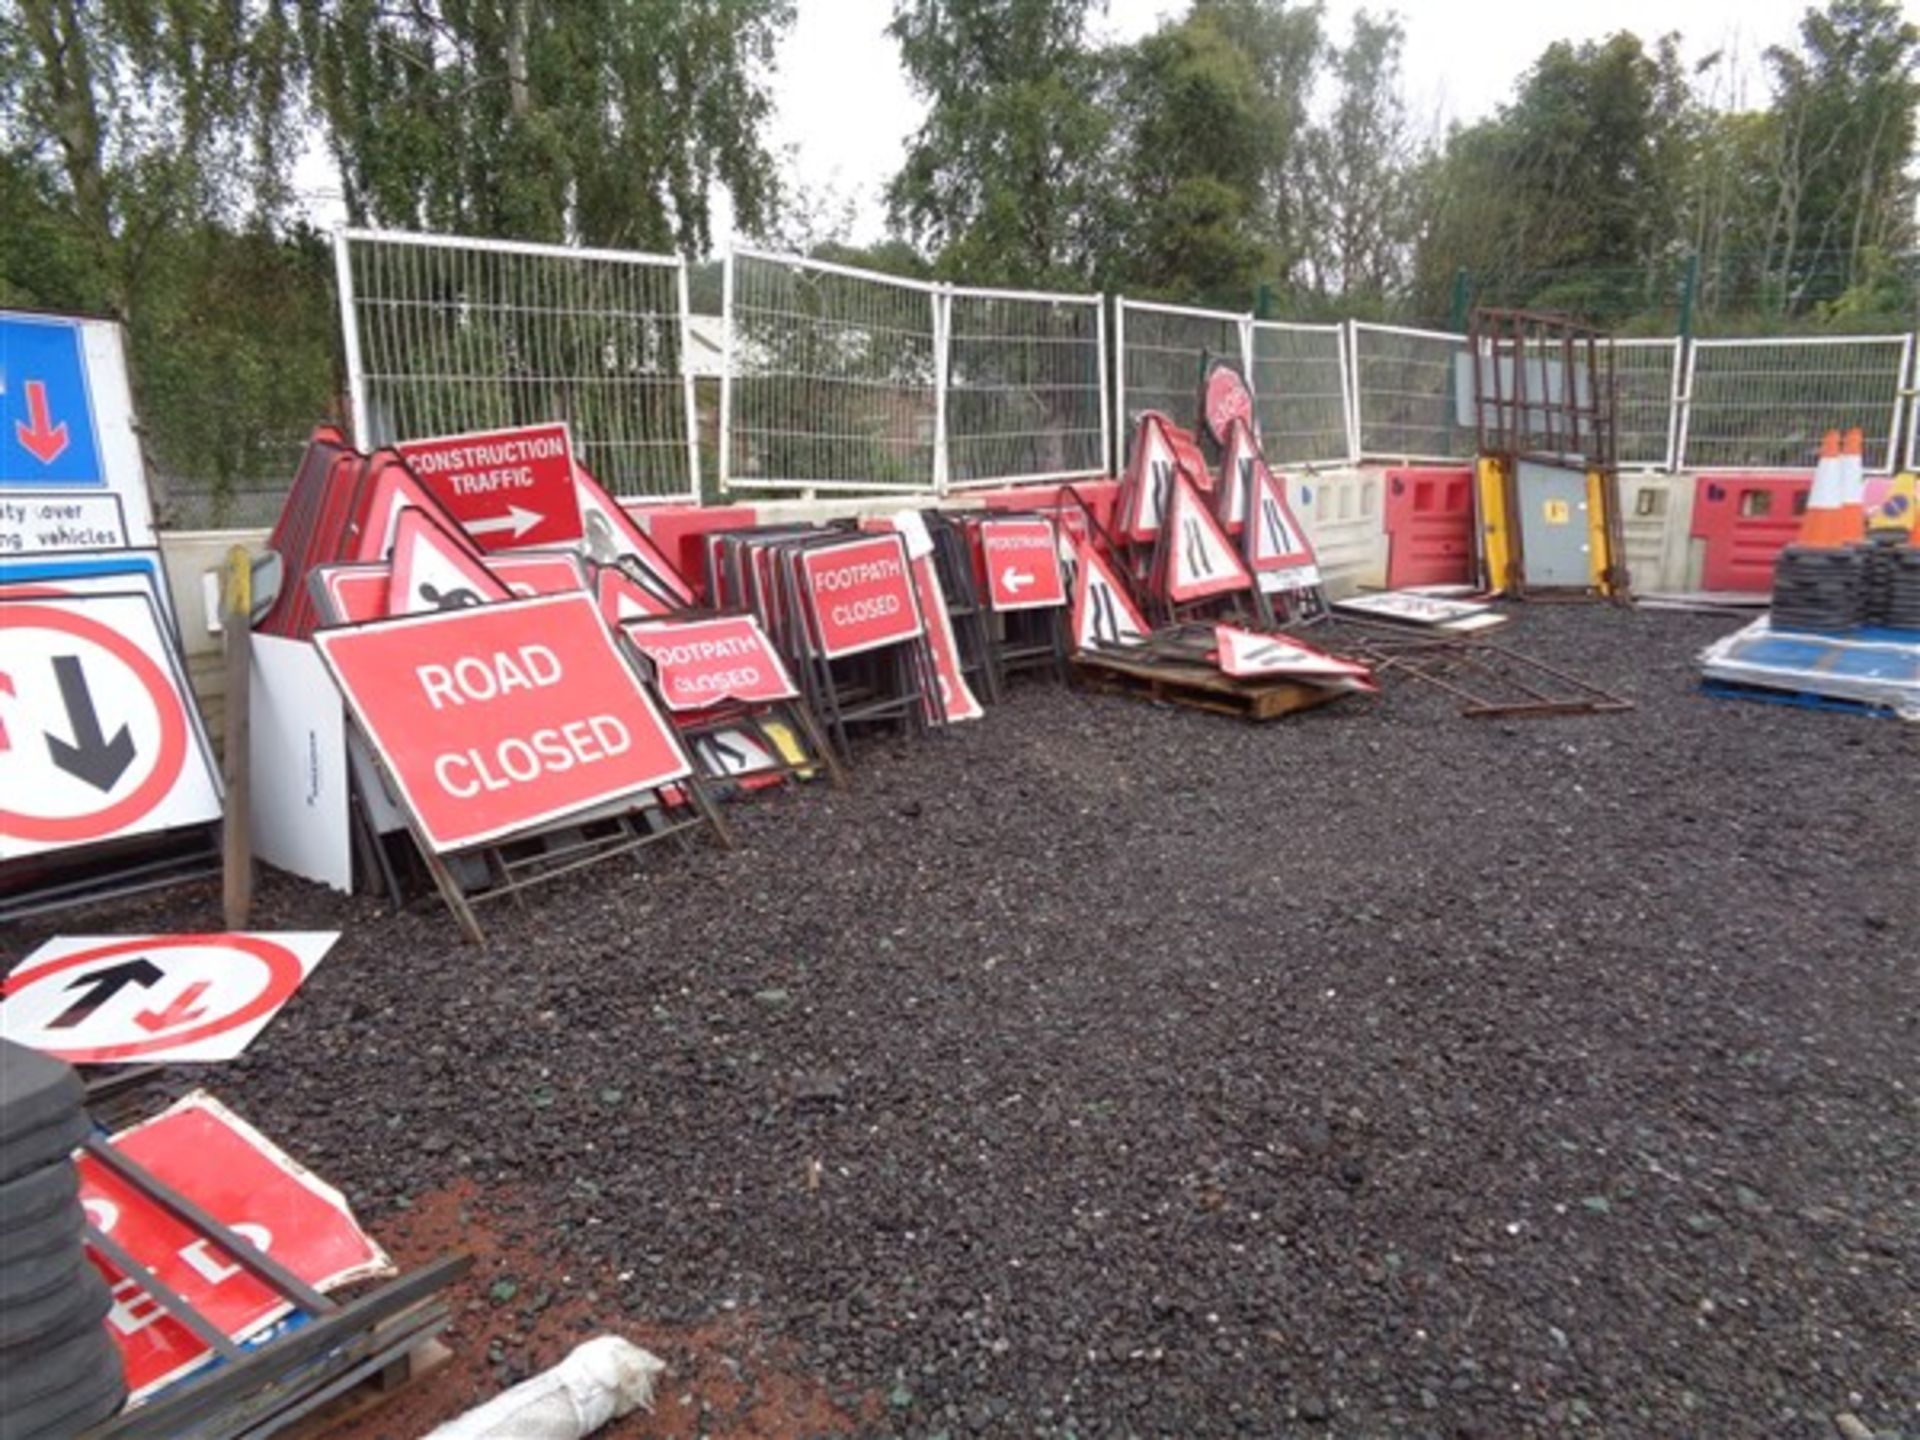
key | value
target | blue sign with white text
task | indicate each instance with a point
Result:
(46, 416)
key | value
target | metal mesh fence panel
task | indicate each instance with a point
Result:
(833, 378)
(1764, 404)
(448, 335)
(1300, 394)
(1405, 396)
(1161, 350)
(1646, 378)
(1026, 387)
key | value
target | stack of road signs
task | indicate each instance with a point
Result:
(59, 1369)
(730, 696)
(518, 740)
(845, 608)
(107, 781)
(967, 615)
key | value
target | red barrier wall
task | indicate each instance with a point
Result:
(1744, 521)
(1429, 520)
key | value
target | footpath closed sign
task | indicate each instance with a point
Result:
(206, 1153)
(861, 595)
(506, 487)
(1023, 564)
(703, 663)
(498, 719)
(98, 740)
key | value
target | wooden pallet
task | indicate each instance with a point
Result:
(1201, 687)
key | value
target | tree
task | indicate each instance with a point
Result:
(1003, 182)
(601, 122)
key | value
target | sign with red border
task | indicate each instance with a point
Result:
(206, 1153)
(96, 1000)
(539, 572)
(505, 487)
(703, 663)
(353, 594)
(861, 595)
(1022, 558)
(1228, 401)
(1245, 652)
(504, 717)
(98, 739)
(435, 569)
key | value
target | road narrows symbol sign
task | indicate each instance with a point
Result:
(96, 740)
(1023, 565)
(95, 1000)
(1200, 559)
(506, 487)
(1103, 614)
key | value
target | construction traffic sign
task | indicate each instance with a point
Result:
(506, 487)
(500, 718)
(95, 1000)
(98, 739)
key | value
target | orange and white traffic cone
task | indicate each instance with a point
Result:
(1821, 521)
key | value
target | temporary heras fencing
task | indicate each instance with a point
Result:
(445, 335)
(844, 379)
(1763, 404)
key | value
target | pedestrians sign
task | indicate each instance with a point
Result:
(67, 428)
(95, 1000)
(205, 1153)
(502, 717)
(98, 738)
(861, 595)
(610, 536)
(505, 487)
(702, 663)
(1023, 564)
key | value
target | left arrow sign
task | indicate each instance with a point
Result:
(42, 439)
(102, 985)
(91, 757)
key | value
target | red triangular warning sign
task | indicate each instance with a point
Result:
(1244, 652)
(622, 597)
(1102, 612)
(1199, 558)
(436, 569)
(1143, 499)
(608, 536)
(1276, 545)
(394, 490)
(1237, 471)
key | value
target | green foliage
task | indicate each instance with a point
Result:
(604, 122)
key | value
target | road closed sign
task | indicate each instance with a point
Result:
(506, 487)
(98, 740)
(1022, 559)
(861, 595)
(702, 663)
(96, 1000)
(502, 718)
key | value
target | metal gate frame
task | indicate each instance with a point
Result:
(1241, 321)
(343, 238)
(1684, 401)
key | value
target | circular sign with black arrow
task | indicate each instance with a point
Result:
(96, 739)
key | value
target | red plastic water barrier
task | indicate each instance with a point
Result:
(1745, 520)
(681, 533)
(1429, 520)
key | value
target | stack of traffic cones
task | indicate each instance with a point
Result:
(1836, 505)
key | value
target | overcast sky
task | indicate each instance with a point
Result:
(845, 111)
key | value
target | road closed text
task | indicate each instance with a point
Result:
(499, 717)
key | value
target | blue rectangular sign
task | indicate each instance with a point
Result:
(46, 414)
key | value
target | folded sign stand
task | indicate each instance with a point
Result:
(504, 722)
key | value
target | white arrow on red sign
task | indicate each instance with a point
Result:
(516, 519)
(1015, 580)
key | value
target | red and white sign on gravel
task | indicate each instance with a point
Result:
(226, 1167)
(861, 595)
(1023, 564)
(705, 662)
(505, 487)
(500, 718)
(1248, 653)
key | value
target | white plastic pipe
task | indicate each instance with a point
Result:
(603, 1379)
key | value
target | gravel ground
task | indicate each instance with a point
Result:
(1103, 1069)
